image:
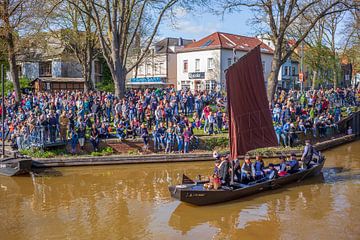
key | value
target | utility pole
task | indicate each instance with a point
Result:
(2, 109)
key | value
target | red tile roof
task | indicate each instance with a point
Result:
(222, 40)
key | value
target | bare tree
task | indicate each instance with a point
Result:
(278, 17)
(78, 33)
(332, 22)
(118, 23)
(17, 17)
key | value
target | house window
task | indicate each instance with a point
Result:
(161, 68)
(210, 85)
(98, 71)
(197, 65)
(148, 69)
(263, 66)
(141, 69)
(185, 85)
(210, 63)
(286, 71)
(229, 62)
(185, 66)
(19, 70)
(45, 69)
(156, 68)
(293, 71)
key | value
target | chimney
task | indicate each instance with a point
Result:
(180, 42)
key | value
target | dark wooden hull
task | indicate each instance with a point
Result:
(196, 194)
(15, 166)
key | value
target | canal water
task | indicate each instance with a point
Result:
(132, 202)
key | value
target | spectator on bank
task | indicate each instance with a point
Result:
(94, 137)
(145, 136)
(73, 140)
(64, 123)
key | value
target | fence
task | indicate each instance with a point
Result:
(39, 137)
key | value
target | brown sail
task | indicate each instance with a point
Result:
(250, 125)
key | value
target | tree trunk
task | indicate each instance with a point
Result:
(119, 81)
(273, 77)
(9, 38)
(118, 74)
(313, 80)
(12, 64)
(88, 84)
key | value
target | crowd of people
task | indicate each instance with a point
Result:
(315, 112)
(167, 117)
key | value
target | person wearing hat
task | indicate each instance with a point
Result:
(307, 154)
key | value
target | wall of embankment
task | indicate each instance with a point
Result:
(167, 158)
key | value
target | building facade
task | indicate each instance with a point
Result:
(54, 62)
(201, 65)
(288, 77)
(159, 68)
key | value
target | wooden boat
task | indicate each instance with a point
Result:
(195, 192)
(15, 166)
(250, 127)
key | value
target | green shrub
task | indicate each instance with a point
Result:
(104, 152)
(39, 153)
(216, 143)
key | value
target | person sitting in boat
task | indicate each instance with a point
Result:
(293, 164)
(307, 154)
(283, 166)
(272, 173)
(259, 167)
(224, 170)
(247, 170)
(217, 167)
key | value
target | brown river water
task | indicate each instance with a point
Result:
(132, 202)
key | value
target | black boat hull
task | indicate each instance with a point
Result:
(15, 166)
(187, 193)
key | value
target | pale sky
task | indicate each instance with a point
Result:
(198, 25)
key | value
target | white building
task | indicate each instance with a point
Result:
(201, 65)
(158, 69)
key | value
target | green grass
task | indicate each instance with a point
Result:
(103, 152)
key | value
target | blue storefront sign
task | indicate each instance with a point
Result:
(147, 80)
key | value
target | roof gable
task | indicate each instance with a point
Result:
(220, 40)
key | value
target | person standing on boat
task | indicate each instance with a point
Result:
(307, 154)
(247, 170)
(224, 170)
(237, 169)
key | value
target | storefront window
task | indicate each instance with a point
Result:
(210, 85)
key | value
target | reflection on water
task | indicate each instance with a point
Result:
(132, 202)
